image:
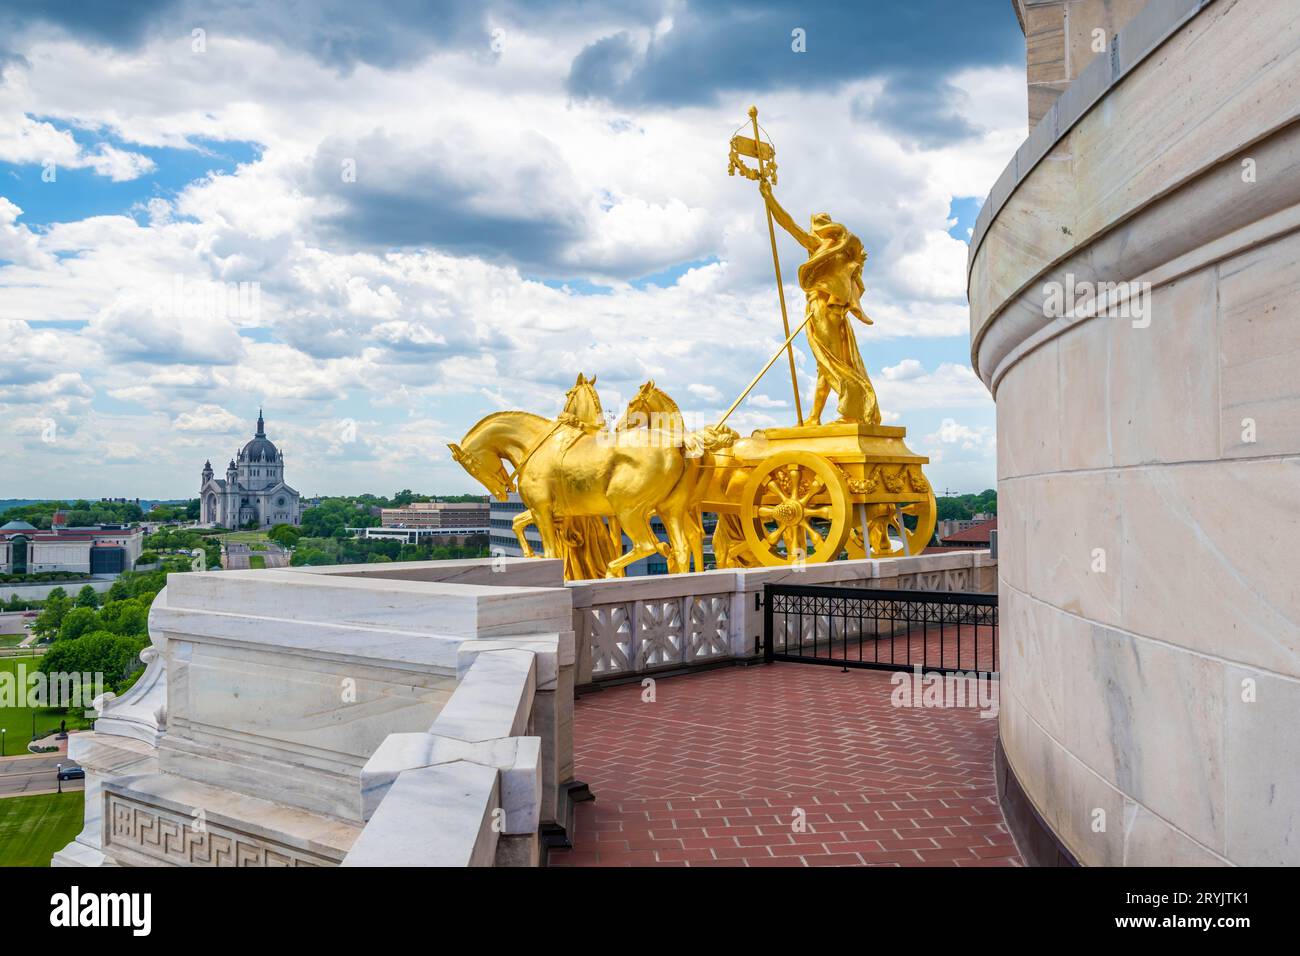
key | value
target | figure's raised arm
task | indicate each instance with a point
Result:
(785, 219)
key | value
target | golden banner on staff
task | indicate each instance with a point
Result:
(744, 146)
(810, 492)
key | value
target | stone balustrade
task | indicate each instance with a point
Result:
(629, 626)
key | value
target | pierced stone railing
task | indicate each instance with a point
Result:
(641, 625)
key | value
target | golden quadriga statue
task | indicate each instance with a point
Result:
(811, 492)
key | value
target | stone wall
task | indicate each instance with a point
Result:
(1149, 466)
(1061, 39)
(294, 717)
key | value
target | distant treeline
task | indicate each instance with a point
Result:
(968, 506)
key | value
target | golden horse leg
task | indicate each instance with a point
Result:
(695, 532)
(545, 521)
(644, 542)
(676, 523)
(520, 522)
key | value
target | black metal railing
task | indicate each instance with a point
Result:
(938, 631)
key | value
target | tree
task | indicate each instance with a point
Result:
(128, 618)
(77, 622)
(57, 605)
(310, 557)
(99, 652)
(285, 535)
(87, 597)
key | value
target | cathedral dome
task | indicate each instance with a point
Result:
(260, 448)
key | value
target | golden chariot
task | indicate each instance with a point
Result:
(809, 493)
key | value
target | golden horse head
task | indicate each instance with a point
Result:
(491, 473)
(582, 402)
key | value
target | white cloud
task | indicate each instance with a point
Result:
(963, 436)
(908, 387)
(18, 243)
(209, 419)
(26, 140)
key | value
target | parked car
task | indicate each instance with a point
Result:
(72, 773)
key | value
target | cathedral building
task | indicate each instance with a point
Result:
(253, 489)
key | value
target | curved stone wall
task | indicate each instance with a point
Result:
(1149, 458)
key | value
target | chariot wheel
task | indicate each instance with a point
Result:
(795, 506)
(887, 537)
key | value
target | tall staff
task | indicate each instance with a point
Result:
(765, 153)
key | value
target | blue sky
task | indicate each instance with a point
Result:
(445, 215)
(82, 193)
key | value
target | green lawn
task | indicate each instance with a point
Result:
(18, 720)
(256, 561)
(245, 537)
(32, 829)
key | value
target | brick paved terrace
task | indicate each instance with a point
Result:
(715, 770)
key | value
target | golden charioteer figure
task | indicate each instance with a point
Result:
(782, 496)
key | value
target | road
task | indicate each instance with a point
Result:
(237, 556)
(35, 774)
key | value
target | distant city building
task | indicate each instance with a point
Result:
(502, 540)
(951, 526)
(253, 489)
(120, 501)
(437, 514)
(461, 537)
(101, 550)
(975, 534)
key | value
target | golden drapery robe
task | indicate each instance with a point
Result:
(832, 280)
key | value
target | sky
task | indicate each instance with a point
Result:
(380, 222)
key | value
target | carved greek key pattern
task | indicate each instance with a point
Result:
(172, 839)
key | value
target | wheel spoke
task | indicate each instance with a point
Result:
(813, 533)
(814, 486)
(825, 511)
(772, 538)
(794, 471)
(767, 511)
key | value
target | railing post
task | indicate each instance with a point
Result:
(768, 649)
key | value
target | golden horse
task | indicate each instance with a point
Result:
(653, 410)
(565, 471)
(589, 544)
